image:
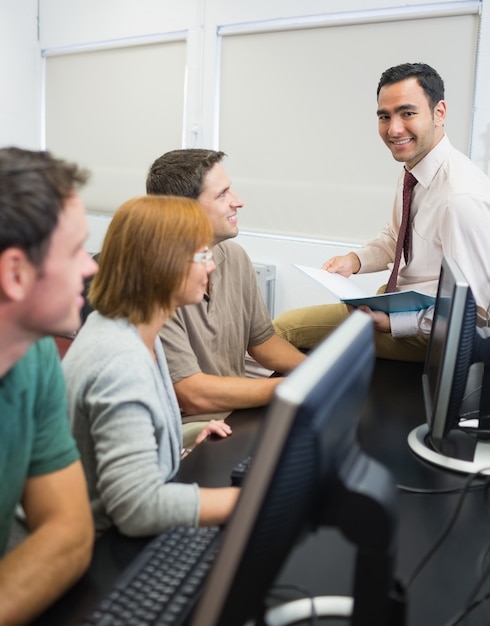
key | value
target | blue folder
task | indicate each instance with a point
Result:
(396, 302)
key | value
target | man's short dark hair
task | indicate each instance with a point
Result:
(181, 172)
(426, 76)
(33, 189)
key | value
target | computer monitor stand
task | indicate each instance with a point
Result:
(459, 452)
(301, 610)
(365, 491)
(465, 449)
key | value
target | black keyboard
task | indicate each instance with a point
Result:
(240, 470)
(162, 585)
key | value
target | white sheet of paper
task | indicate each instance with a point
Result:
(339, 285)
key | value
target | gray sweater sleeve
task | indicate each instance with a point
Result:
(129, 442)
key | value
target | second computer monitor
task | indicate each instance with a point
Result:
(451, 381)
(308, 470)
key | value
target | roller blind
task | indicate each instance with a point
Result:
(115, 111)
(298, 119)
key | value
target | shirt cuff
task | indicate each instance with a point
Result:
(404, 324)
(412, 323)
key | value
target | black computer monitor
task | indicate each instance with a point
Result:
(308, 471)
(452, 381)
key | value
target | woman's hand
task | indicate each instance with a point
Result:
(214, 427)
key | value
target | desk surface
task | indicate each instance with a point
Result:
(323, 563)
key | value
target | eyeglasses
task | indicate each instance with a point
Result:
(203, 257)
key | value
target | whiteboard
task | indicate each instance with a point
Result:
(115, 111)
(297, 117)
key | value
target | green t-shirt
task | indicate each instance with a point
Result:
(35, 434)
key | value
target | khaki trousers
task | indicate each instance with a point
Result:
(307, 326)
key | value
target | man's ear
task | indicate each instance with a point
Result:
(16, 274)
(440, 113)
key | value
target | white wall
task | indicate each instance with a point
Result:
(82, 23)
(292, 287)
(20, 74)
(88, 22)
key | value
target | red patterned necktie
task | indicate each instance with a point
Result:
(405, 235)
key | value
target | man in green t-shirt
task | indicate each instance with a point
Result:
(42, 267)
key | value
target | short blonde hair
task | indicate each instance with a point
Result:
(145, 255)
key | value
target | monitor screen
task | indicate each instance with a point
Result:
(307, 452)
(449, 354)
(452, 381)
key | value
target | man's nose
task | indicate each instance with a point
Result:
(91, 266)
(236, 201)
(396, 126)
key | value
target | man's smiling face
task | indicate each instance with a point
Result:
(407, 123)
(220, 203)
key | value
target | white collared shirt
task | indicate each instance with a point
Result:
(450, 217)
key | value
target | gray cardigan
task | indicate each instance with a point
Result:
(127, 424)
